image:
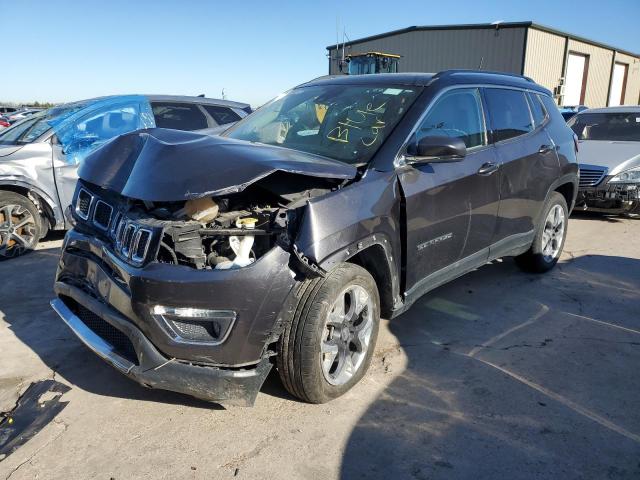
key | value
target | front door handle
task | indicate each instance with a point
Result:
(488, 168)
(545, 148)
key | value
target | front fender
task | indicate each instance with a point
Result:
(339, 225)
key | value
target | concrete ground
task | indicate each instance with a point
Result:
(499, 374)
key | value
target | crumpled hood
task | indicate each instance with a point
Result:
(617, 156)
(161, 165)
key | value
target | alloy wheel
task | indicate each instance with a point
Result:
(347, 334)
(18, 230)
(553, 233)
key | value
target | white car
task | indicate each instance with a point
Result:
(609, 157)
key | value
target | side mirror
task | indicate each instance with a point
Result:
(430, 149)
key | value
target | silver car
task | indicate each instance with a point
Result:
(609, 157)
(39, 155)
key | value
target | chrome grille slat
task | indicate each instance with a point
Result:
(591, 175)
(128, 238)
(102, 215)
(83, 204)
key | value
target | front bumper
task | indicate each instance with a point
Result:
(153, 370)
(92, 282)
(609, 198)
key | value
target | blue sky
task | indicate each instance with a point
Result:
(64, 50)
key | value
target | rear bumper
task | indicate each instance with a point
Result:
(609, 198)
(152, 369)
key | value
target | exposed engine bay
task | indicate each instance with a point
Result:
(231, 231)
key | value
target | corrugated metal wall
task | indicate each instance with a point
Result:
(435, 50)
(545, 54)
(632, 93)
(544, 57)
(502, 50)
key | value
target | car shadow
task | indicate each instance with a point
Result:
(26, 311)
(604, 217)
(511, 375)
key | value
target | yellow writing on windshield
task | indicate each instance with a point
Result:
(366, 119)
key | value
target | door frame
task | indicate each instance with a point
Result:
(585, 74)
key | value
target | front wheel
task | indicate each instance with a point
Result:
(20, 225)
(549, 239)
(327, 347)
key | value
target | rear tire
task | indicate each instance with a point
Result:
(20, 225)
(548, 242)
(327, 347)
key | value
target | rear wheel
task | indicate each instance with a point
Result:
(20, 225)
(327, 347)
(549, 238)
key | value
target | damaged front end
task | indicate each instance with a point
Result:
(179, 278)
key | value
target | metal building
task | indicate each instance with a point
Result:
(579, 71)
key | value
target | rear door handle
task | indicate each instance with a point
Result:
(545, 148)
(488, 168)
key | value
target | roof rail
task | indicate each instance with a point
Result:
(446, 73)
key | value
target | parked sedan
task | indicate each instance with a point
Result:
(39, 155)
(21, 114)
(609, 157)
(568, 112)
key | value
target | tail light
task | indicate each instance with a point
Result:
(4, 124)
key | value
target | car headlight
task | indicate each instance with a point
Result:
(630, 176)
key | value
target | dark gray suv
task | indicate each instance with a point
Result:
(197, 263)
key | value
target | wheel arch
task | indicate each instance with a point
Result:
(374, 254)
(569, 192)
(47, 206)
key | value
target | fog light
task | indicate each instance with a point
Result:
(195, 325)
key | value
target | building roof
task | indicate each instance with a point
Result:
(446, 77)
(480, 26)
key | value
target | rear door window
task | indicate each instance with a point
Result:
(509, 113)
(179, 116)
(221, 115)
(537, 109)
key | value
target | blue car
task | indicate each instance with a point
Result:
(40, 154)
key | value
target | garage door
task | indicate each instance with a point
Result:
(618, 84)
(575, 82)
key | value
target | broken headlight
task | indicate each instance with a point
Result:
(630, 176)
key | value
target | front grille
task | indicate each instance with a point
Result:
(110, 334)
(83, 204)
(131, 240)
(141, 244)
(127, 239)
(102, 215)
(591, 175)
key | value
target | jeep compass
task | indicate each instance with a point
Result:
(198, 263)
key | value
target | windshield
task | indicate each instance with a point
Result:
(33, 126)
(621, 126)
(344, 122)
